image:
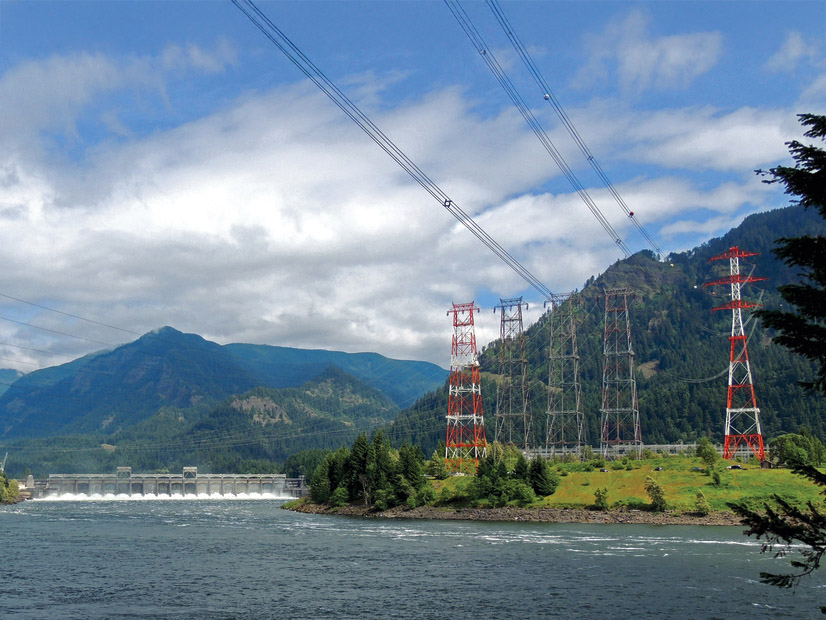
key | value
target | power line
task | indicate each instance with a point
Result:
(346, 105)
(548, 95)
(499, 73)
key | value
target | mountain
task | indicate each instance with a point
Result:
(681, 347)
(7, 377)
(401, 380)
(245, 432)
(114, 390)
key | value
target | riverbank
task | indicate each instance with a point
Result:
(528, 515)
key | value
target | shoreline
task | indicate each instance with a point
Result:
(524, 515)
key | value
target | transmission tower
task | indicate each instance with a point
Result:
(742, 413)
(513, 422)
(620, 428)
(565, 426)
(466, 442)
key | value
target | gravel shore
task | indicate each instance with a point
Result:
(532, 515)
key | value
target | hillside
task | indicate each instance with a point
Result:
(114, 390)
(681, 347)
(249, 431)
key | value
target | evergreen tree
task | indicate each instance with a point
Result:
(520, 468)
(356, 470)
(541, 479)
(804, 330)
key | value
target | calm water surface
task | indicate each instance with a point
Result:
(217, 558)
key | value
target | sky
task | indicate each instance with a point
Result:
(162, 163)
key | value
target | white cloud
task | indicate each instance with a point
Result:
(275, 220)
(643, 62)
(794, 50)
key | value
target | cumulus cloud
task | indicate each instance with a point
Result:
(643, 62)
(275, 220)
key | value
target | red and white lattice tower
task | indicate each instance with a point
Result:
(620, 428)
(742, 414)
(513, 420)
(466, 441)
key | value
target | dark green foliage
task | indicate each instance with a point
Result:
(372, 473)
(411, 463)
(542, 480)
(493, 485)
(656, 494)
(520, 468)
(803, 330)
(793, 449)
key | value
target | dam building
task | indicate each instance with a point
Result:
(188, 482)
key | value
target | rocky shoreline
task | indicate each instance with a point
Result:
(527, 515)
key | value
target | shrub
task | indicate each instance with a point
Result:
(656, 493)
(601, 498)
(701, 505)
(339, 497)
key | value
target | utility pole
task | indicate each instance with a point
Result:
(513, 422)
(620, 428)
(565, 424)
(742, 414)
(466, 441)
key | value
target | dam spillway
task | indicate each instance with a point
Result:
(189, 482)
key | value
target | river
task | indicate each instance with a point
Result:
(235, 558)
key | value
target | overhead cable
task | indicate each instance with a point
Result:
(346, 105)
(549, 96)
(499, 73)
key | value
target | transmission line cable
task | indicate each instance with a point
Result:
(346, 105)
(549, 96)
(499, 73)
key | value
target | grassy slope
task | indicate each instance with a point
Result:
(627, 488)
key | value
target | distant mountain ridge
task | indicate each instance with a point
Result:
(117, 389)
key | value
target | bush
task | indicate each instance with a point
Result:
(656, 493)
(701, 505)
(601, 498)
(339, 497)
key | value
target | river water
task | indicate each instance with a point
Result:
(244, 558)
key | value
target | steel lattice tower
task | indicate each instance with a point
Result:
(565, 425)
(466, 442)
(620, 427)
(742, 413)
(513, 422)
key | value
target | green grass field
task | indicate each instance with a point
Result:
(752, 485)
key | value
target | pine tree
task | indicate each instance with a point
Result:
(804, 330)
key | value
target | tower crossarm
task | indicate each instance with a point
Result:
(734, 279)
(733, 252)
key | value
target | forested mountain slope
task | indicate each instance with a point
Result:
(681, 347)
(115, 390)
(250, 431)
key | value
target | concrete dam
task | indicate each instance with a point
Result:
(188, 482)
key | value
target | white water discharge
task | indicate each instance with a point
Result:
(110, 497)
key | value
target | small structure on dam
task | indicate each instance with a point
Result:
(188, 482)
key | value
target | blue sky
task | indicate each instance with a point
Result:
(161, 163)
